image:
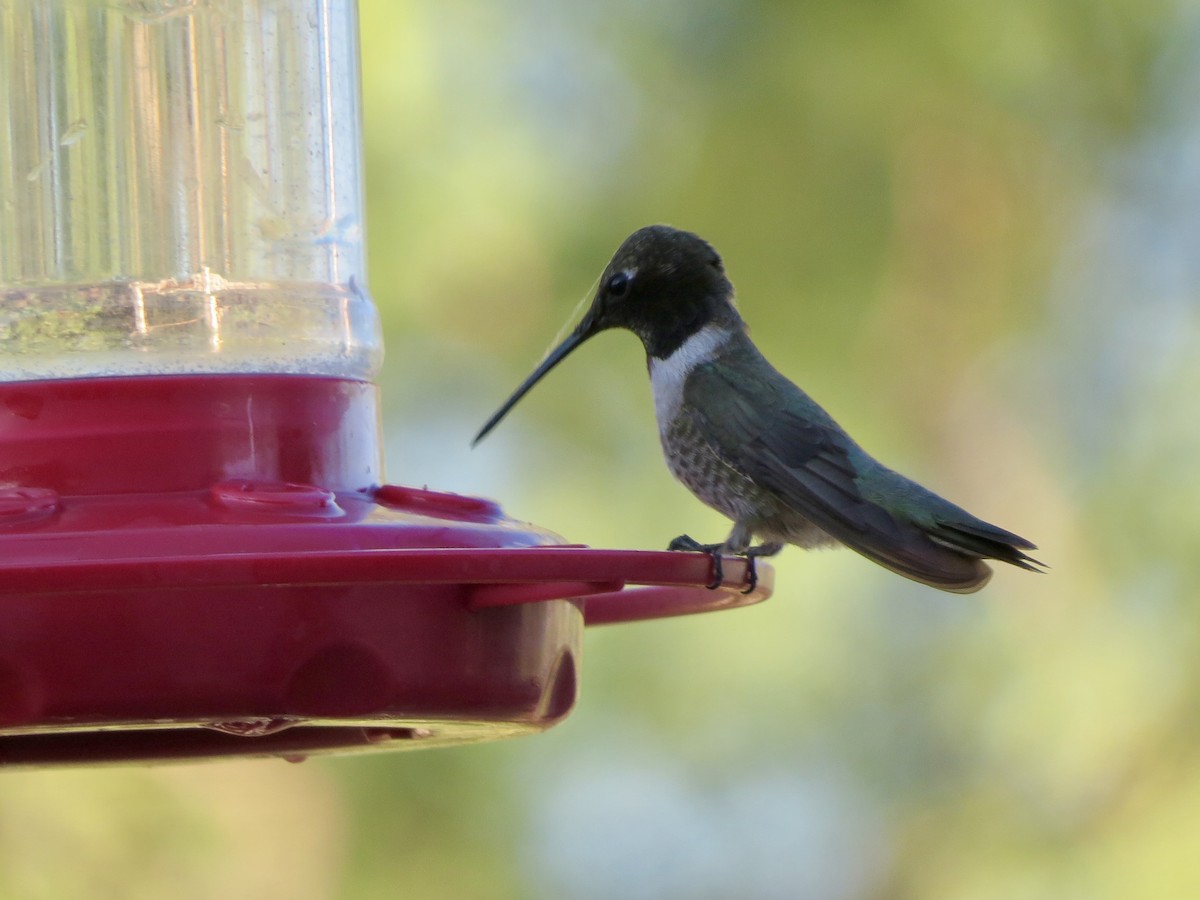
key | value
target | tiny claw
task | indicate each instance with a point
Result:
(751, 573)
(752, 554)
(684, 542)
(688, 543)
(718, 568)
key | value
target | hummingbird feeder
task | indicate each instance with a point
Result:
(199, 555)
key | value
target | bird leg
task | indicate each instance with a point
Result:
(737, 544)
(687, 542)
(767, 548)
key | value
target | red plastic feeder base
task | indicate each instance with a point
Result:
(201, 566)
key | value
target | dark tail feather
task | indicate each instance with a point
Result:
(929, 563)
(907, 549)
(986, 541)
(947, 556)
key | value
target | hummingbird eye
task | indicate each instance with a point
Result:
(618, 284)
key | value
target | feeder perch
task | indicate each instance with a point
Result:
(199, 556)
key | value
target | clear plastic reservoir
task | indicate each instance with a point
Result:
(180, 189)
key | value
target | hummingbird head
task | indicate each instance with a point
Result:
(662, 284)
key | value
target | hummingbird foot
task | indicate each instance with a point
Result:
(690, 544)
(752, 554)
(715, 551)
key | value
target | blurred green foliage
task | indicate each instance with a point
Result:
(970, 231)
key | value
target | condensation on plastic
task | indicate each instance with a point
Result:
(180, 189)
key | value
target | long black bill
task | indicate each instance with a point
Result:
(584, 331)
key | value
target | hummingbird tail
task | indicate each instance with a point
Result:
(931, 564)
(980, 539)
(946, 555)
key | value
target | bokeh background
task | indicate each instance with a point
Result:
(972, 231)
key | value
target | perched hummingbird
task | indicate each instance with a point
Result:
(755, 447)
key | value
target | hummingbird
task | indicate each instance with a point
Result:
(755, 447)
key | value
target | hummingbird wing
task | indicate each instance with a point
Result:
(782, 440)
